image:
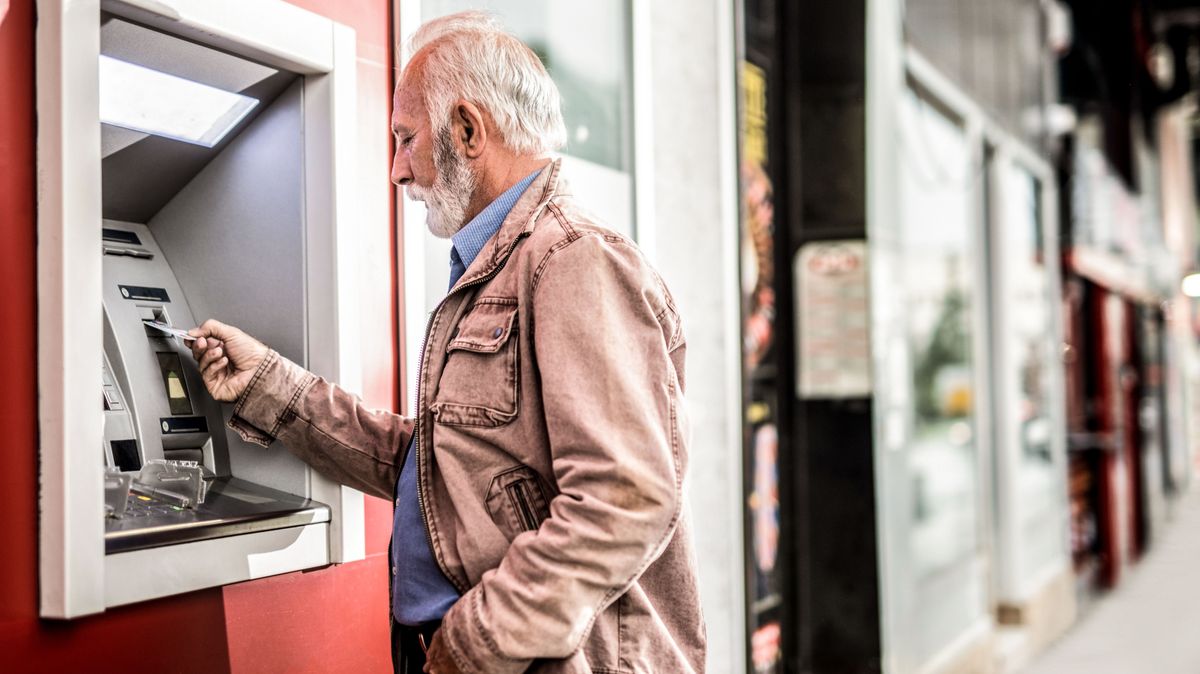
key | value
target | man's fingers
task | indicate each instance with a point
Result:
(209, 356)
(214, 368)
(198, 346)
(203, 345)
(213, 328)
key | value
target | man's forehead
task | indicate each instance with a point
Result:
(408, 104)
(408, 108)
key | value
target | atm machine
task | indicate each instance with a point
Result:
(214, 200)
(207, 173)
(162, 431)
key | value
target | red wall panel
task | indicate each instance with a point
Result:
(18, 396)
(182, 634)
(324, 622)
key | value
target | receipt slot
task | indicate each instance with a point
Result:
(207, 172)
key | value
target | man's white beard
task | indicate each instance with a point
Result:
(447, 199)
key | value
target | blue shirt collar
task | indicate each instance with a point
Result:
(471, 239)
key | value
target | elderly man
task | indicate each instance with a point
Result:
(539, 519)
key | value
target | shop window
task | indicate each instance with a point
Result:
(587, 49)
(935, 241)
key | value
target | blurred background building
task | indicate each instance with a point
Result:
(935, 259)
(978, 436)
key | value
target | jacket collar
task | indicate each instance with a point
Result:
(520, 221)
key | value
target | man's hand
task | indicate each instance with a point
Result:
(438, 660)
(228, 358)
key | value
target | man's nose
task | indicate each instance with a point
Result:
(401, 173)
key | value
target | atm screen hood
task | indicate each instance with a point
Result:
(143, 171)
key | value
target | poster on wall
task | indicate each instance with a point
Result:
(764, 499)
(833, 347)
(758, 224)
(760, 345)
(766, 648)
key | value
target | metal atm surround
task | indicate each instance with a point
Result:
(205, 210)
(75, 576)
(139, 284)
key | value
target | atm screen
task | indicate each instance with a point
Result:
(172, 374)
(125, 455)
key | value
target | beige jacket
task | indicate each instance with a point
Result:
(551, 396)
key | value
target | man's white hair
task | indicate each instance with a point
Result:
(472, 57)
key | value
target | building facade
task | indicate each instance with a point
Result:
(928, 327)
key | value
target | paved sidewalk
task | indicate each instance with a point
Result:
(1151, 623)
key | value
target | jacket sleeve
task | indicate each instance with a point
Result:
(612, 406)
(327, 427)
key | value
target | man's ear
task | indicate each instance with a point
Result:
(469, 128)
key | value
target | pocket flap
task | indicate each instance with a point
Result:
(486, 328)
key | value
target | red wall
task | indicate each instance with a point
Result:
(328, 620)
(18, 400)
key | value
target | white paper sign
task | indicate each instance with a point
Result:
(833, 347)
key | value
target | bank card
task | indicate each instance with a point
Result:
(175, 332)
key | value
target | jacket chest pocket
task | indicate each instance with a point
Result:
(480, 381)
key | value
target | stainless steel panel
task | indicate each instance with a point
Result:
(232, 507)
(234, 237)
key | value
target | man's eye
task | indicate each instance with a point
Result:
(407, 141)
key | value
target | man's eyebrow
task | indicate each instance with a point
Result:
(399, 129)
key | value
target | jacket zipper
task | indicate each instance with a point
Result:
(520, 501)
(420, 407)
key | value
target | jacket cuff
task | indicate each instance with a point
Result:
(470, 645)
(269, 399)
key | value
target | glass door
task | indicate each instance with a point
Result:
(931, 425)
(1029, 473)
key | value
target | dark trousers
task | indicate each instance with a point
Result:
(408, 653)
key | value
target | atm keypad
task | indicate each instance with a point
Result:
(146, 506)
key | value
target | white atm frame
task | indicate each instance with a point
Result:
(76, 577)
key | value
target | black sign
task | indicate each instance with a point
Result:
(120, 236)
(181, 425)
(144, 293)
